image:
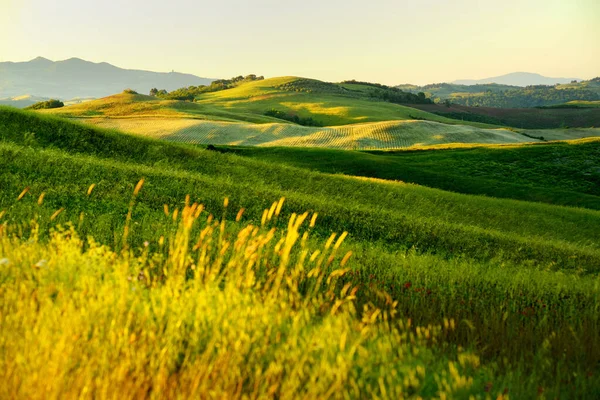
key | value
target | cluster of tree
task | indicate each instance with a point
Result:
(391, 94)
(397, 96)
(531, 96)
(191, 92)
(308, 121)
(158, 93)
(377, 91)
(313, 86)
(44, 105)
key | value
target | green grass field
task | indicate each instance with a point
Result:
(506, 290)
(555, 173)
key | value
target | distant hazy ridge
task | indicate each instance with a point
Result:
(78, 78)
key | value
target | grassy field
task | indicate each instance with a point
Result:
(376, 135)
(508, 287)
(555, 173)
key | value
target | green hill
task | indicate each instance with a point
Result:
(577, 104)
(327, 104)
(571, 115)
(504, 96)
(438, 254)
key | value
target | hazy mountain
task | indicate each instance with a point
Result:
(517, 79)
(21, 101)
(79, 78)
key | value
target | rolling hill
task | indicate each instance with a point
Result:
(442, 258)
(506, 96)
(241, 116)
(74, 77)
(215, 118)
(576, 114)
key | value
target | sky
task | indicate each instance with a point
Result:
(386, 41)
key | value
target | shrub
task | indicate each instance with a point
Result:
(44, 105)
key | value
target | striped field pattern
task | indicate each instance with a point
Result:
(387, 135)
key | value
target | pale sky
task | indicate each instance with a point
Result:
(387, 41)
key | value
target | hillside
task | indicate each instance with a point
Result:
(322, 103)
(521, 172)
(437, 254)
(327, 104)
(505, 96)
(577, 104)
(577, 114)
(244, 116)
(130, 105)
(74, 77)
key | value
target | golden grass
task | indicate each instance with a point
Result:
(212, 311)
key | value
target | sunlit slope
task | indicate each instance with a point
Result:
(250, 101)
(377, 135)
(129, 105)
(328, 108)
(565, 173)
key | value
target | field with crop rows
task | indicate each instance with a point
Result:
(378, 135)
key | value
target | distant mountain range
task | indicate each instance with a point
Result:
(77, 78)
(517, 79)
(21, 101)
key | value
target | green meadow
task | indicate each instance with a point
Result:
(139, 267)
(561, 173)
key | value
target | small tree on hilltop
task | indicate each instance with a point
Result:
(153, 92)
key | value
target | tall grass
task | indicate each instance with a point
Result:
(254, 313)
